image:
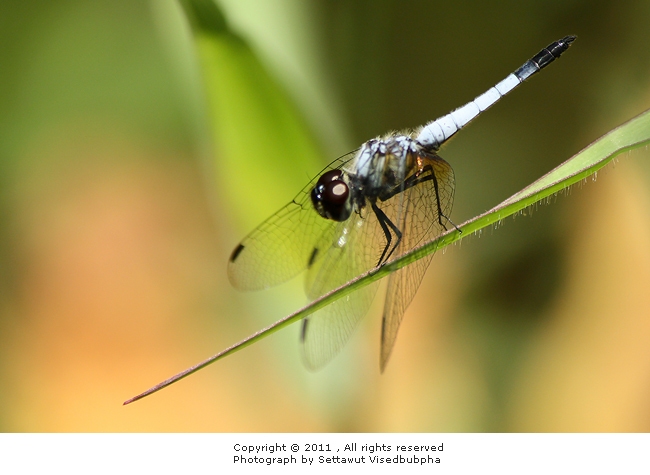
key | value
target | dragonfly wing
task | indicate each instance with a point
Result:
(327, 331)
(282, 246)
(426, 206)
(356, 247)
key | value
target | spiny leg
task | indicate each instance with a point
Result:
(414, 180)
(385, 223)
(435, 186)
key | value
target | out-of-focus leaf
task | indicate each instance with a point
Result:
(261, 140)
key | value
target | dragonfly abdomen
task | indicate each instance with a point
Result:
(437, 132)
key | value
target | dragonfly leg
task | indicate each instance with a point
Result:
(440, 215)
(414, 180)
(435, 186)
(386, 223)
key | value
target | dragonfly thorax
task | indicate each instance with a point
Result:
(383, 163)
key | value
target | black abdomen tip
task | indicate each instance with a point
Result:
(552, 51)
(560, 46)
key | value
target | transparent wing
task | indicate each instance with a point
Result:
(281, 247)
(427, 204)
(346, 256)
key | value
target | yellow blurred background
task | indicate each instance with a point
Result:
(134, 155)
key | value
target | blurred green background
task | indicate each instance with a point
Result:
(137, 148)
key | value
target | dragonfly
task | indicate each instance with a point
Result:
(365, 208)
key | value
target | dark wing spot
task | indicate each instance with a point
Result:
(312, 258)
(303, 331)
(236, 252)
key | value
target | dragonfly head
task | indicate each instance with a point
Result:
(330, 196)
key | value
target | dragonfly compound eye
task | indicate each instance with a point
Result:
(330, 196)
